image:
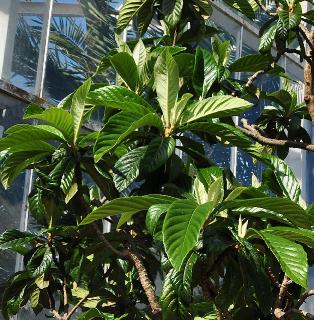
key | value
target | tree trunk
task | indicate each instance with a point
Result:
(308, 80)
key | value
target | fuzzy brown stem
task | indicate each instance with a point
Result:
(308, 79)
(145, 282)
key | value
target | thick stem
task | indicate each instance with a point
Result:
(308, 79)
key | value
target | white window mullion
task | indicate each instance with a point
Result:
(43, 50)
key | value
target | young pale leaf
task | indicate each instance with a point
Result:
(215, 107)
(290, 255)
(125, 65)
(216, 191)
(78, 106)
(139, 56)
(167, 84)
(181, 228)
(119, 127)
(129, 205)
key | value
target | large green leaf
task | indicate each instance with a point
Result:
(157, 153)
(19, 161)
(129, 205)
(119, 127)
(267, 39)
(295, 234)
(167, 84)
(17, 241)
(127, 168)
(284, 208)
(181, 228)
(153, 215)
(248, 8)
(214, 107)
(284, 175)
(144, 16)
(45, 264)
(291, 256)
(22, 133)
(173, 12)
(129, 9)
(125, 65)
(78, 106)
(59, 118)
(251, 63)
(290, 15)
(227, 133)
(120, 98)
(205, 71)
(179, 108)
(172, 302)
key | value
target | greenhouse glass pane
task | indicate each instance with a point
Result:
(26, 51)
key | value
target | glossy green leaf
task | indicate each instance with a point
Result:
(214, 107)
(120, 98)
(58, 118)
(153, 215)
(17, 241)
(157, 153)
(22, 133)
(172, 302)
(127, 168)
(18, 162)
(267, 39)
(119, 127)
(125, 65)
(216, 191)
(129, 9)
(129, 205)
(167, 84)
(290, 15)
(304, 236)
(173, 12)
(251, 63)
(284, 175)
(181, 228)
(78, 107)
(290, 255)
(45, 264)
(284, 208)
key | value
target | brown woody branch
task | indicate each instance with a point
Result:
(251, 130)
(141, 270)
(302, 299)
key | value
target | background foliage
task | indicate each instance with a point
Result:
(187, 241)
